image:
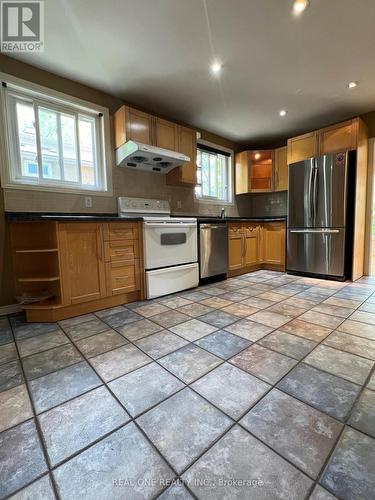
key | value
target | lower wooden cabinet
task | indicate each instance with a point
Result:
(88, 266)
(81, 249)
(236, 247)
(273, 243)
(255, 246)
(251, 238)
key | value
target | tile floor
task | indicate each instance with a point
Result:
(258, 387)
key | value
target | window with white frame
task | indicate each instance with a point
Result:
(214, 174)
(53, 143)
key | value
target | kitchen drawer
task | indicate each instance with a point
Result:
(235, 230)
(118, 250)
(120, 231)
(122, 277)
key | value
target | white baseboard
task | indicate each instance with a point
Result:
(11, 309)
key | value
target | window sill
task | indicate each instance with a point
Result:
(215, 202)
(57, 189)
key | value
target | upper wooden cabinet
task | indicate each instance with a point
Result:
(185, 175)
(242, 173)
(131, 124)
(302, 147)
(281, 169)
(166, 134)
(261, 171)
(336, 138)
(254, 172)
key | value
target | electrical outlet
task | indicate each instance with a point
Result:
(179, 204)
(88, 202)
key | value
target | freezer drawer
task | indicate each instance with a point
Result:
(171, 280)
(316, 251)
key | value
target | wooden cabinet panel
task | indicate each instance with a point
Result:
(251, 242)
(235, 253)
(82, 255)
(139, 126)
(340, 137)
(187, 145)
(302, 147)
(122, 277)
(242, 173)
(273, 243)
(235, 247)
(281, 169)
(166, 134)
(185, 174)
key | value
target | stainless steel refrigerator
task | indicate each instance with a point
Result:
(320, 216)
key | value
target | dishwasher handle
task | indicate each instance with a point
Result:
(213, 226)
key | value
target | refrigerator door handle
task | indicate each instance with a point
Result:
(315, 194)
(310, 208)
(315, 231)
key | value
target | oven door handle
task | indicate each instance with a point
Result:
(171, 224)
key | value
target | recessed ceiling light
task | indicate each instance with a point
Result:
(300, 5)
(283, 112)
(257, 156)
(216, 67)
(352, 85)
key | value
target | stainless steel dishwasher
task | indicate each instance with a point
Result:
(213, 249)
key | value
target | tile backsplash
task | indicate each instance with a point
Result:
(262, 205)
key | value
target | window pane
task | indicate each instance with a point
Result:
(199, 176)
(87, 150)
(213, 175)
(206, 174)
(49, 143)
(69, 147)
(27, 139)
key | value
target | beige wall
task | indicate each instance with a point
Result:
(125, 182)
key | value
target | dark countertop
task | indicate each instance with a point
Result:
(241, 219)
(64, 217)
(74, 217)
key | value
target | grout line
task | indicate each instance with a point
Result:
(223, 361)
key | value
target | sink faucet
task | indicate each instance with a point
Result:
(222, 213)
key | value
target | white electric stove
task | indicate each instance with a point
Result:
(169, 245)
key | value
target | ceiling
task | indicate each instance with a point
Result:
(156, 54)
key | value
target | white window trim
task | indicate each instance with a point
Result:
(215, 201)
(60, 99)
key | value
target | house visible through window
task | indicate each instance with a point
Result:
(214, 174)
(53, 143)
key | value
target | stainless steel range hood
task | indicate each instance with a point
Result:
(149, 158)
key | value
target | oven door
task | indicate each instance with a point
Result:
(169, 243)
